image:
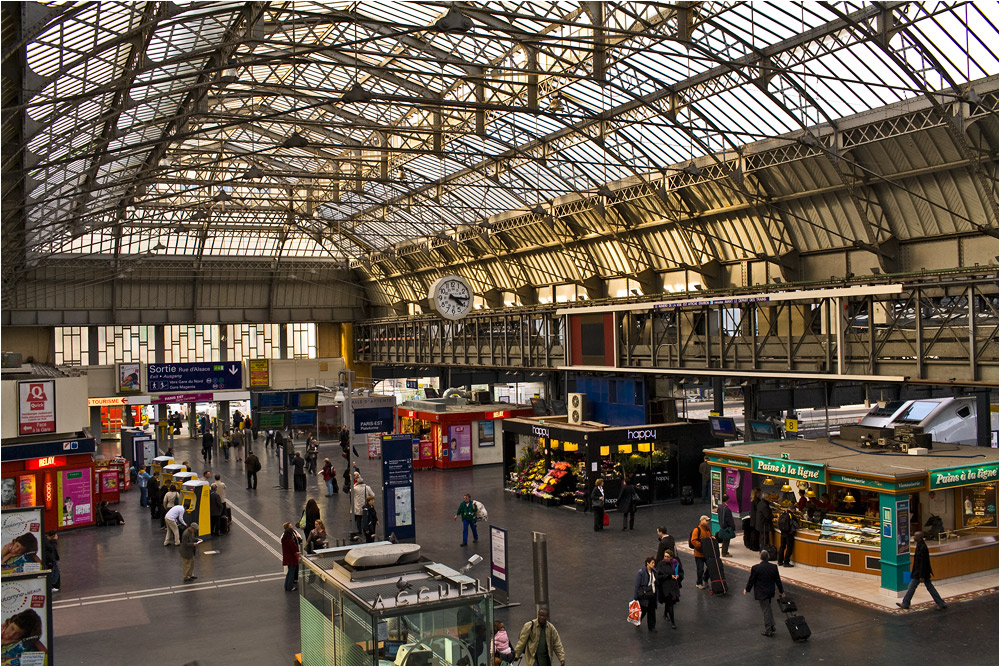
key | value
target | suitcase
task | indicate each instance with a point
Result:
(772, 552)
(716, 576)
(224, 525)
(798, 628)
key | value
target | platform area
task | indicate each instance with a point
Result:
(123, 602)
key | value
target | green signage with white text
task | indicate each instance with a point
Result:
(945, 478)
(809, 472)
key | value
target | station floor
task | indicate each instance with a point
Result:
(122, 601)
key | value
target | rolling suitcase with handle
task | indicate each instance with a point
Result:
(797, 626)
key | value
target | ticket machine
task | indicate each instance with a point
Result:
(194, 496)
(167, 472)
(156, 469)
(179, 478)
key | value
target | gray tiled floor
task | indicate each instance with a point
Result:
(123, 602)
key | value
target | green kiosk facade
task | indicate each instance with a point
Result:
(859, 509)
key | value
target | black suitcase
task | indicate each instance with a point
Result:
(747, 533)
(224, 525)
(772, 552)
(716, 573)
(798, 628)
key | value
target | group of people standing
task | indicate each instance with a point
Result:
(627, 504)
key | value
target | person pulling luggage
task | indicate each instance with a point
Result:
(764, 578)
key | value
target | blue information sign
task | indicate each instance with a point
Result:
(197, 376)
(411, 384)
(397, 486)
(373, 420)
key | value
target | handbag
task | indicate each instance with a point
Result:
(725, 533)
(607, 519)
(301, 523)
(634, 612)
(646, 592)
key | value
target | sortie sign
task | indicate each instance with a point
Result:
(808, 472)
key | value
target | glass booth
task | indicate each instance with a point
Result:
(354, 611)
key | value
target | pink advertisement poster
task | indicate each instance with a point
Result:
(75, 497)
(460, 442)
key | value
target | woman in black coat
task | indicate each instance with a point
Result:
(628, 500)
(668, 584)
(754, 538)
(645, 591)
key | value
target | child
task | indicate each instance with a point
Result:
(501, 645)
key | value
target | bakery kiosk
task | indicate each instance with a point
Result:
(861, 506)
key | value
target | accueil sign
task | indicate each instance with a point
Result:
(790, 469)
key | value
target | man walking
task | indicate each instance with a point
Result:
(467, 510)
(189, 542)
(921, 571)
(253, 467)
(666, 543)
(539, 642)
(173, 518)
(764, 577)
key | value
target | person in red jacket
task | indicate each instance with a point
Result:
(290, 542)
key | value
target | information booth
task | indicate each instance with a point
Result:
(553, 462)
(860, 510)
(385, 604)
(454, 433)
(58, 476)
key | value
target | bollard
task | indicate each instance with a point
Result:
(539, 555)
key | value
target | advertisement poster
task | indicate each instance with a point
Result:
(9, 495)
(27, 491)
(902, 527)
(36, 410)
(460, 438)
(109, 481)
(486, 433)
(75, 497)
(27, 620)
(260, 375)
(498, 564)
(128, 378)
(21, 534)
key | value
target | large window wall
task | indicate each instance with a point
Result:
(185, 343)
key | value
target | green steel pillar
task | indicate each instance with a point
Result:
(894, 512)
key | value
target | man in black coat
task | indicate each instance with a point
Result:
(727, 525)
(764, 578)
(666, 543)
(921, 571)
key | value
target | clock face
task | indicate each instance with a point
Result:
(451, 297)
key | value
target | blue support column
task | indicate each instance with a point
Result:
(894, 513)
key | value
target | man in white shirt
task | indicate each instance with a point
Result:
(174, 516)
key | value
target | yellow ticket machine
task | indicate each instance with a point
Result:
(156, 469)
(179, 478)
(167, 472)
(194, 496)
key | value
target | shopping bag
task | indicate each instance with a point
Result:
(607, 519)
(634, 612)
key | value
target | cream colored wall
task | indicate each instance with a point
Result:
(302, 373)
(37, 343)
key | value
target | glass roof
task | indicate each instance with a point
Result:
(339, 130)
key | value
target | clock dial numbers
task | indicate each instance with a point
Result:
(452, 298)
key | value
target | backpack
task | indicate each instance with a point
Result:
(695, 534)
(481, 513)
(788, 523)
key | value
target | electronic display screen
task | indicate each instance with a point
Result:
(266, 420)
(763, 430)
(271, 400)
(302, 399)
(303, 418)
(723, 427)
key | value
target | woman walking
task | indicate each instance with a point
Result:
(330, 477)
(310, 515)
(645, 591)
(597, 503)
(668, 584)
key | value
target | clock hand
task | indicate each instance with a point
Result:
(457, 299)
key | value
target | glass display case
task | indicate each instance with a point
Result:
(845, 529)
(360, 606)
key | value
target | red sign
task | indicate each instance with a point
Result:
(499, 414)
(45, 462)
(407, 413)
(36, 407)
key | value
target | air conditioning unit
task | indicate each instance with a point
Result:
(576, 408)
